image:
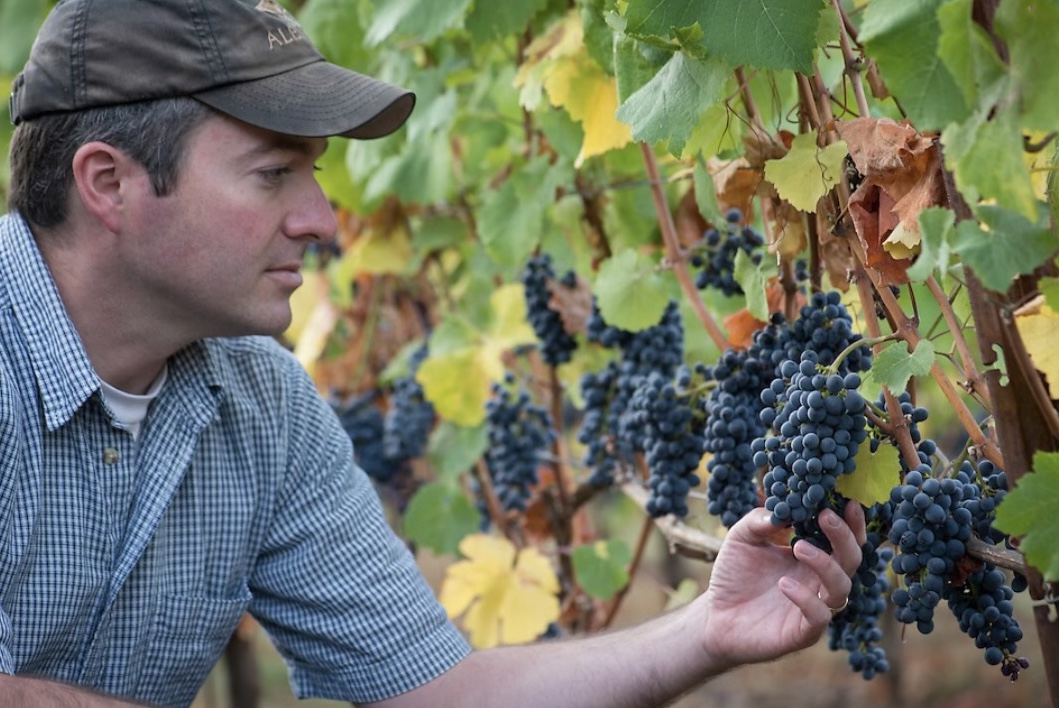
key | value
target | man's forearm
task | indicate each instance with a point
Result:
(646, 666)
(20, 692)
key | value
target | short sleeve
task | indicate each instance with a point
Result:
(338, 592)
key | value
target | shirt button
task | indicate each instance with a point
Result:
(110, 456)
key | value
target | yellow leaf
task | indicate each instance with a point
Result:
(875, 475)
(303, 302)
(378, 252)
(558, 62)
(903, 241)
(807, 172)
(1040, 334)
(505, 596)
(458, 383)
(313, 338)
(509, 326)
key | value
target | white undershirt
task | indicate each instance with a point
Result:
(130, 409)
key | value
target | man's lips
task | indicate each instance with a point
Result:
(288, 274)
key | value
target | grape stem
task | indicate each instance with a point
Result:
(974, 381)
(673, 252)
(634, 565)
(853, 64)
(872, 342)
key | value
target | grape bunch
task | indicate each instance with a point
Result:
(363, 422)
(557, 346)
(673, 440)
(608, 428)
(856, 628)
(715, 253)
(519, 432)
(733, 422)
(819, 424)
(410, 417)
(983, 607)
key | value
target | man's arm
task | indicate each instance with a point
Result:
(19, 692)
(764, 600)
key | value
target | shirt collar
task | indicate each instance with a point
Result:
(65, 376)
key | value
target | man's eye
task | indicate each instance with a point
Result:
(275, 174)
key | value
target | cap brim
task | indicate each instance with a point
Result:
(316, 100)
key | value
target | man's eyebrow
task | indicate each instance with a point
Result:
(286, 143)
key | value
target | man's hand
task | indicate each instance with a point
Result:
(767, 599)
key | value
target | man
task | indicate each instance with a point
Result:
(163, 469)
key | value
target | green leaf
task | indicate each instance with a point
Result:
(902, 37)
(631, 292)
(1028, 29)
(771, 34)
(632, 70)
(421, 174)
(454, 449)
(599, 38)
(511, 218)
(895, 366)
(706, 194)
(753, 281)
(1029, 511)
(439, 516)
(875, 475)
(422, 20)
(335, 179)
(936, 229)
(1010, 247)
(967, 50)
(807, 172)
(986, 159)
(601, 567)
(336, 30)
(440, 233)
(1049, 287)
(19, 21)
(668, 107)
(494, 20)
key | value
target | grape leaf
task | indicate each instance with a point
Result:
(493, 20)
(1040, 334)
(630, 291)
(1028, 30)
(895, 366)
(19, 21)
(1029, 511)
(902, 37)
(669, 106)
(772, 34)
(986, 160)
(423, 20)
(807, 172)
(753, 281)
(1049, 287)
(456, 379)
(506, 596)
(936, 229)
(378, 251)
(336, 30)
(631, 68)
(967, 50)
(1010, 247)
(600, 567)
(876, 474)
(512, 218)
(454, 449)
(439, 516)
(706, 194)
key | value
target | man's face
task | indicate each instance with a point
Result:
(220, 255)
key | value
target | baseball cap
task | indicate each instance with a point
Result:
(248, 59)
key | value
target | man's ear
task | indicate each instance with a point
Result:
(106, 178)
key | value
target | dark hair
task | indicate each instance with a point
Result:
(42, 150)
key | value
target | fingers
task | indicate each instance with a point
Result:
(813, 608)
(835, 582)
(846, 537)
(757, 528)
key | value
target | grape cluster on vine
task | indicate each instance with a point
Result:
(715, 253)
(673, 441)
(557, 346)
(363, 421)
(519, 433)
(608, 429)
(410, 417)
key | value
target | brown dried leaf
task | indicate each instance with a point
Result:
(788, 235)
(741, 326)
(881, 146)
(574, 305)
(736, 182)
(873, 217)
(690, 223)
(761, 147)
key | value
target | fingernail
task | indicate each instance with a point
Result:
(809, 550)
(833, 521)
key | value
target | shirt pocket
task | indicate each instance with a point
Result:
(188, 636)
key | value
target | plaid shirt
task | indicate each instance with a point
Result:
(125, 565)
